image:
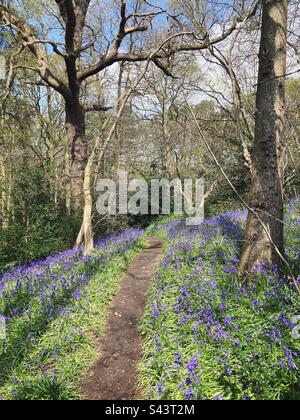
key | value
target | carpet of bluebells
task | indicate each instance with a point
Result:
(50, 308)
(210, 336)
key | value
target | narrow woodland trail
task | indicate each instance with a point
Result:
(114, 375)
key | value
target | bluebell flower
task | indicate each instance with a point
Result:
(189, 394)
(281, 363)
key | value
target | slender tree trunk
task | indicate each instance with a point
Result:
(168, 150)
(265, 237)
(118, 134)
(67, 179)
(240, 117)
(3, 184)
(86, 230)
(3, 196)
(75, 127)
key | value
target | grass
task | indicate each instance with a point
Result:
(61, 351)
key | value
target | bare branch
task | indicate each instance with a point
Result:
(160, 65)
(16, 23)
(96, 107)
(114, 56)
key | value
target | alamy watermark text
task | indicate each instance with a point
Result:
(158, 196)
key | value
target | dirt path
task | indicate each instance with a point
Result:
(114, 375)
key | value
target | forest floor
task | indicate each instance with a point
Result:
(114, 375)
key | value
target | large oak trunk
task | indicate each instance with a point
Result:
(75, 126)
(264, 238)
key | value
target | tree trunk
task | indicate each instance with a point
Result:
(67, 179)
(3, 195)
(75, 127)
(118, 134)
(168, 147)
(86, 230)
(264, 237)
